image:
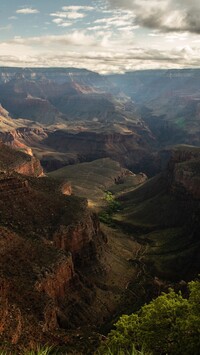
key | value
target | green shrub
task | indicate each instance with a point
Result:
(112, 207)
(47, 350)
(120, 351)
(170, 324)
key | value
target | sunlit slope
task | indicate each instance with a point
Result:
(91, 179)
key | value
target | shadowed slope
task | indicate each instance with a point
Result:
(164, 212)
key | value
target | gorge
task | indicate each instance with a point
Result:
(70, 138)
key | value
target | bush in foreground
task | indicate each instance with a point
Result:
(170, 324)
(39, 351)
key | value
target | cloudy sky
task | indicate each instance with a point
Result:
(103, 35)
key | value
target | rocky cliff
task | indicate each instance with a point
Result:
(187, 176)
(50, 245)
(183, 170)
(56, 282)
(129, 149)
(81, 239)
(20, 162)
(30, 168)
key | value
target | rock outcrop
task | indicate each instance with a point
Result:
(183, 168)
(30, 168)
(14, 160)
(56, 282)
(81, 239)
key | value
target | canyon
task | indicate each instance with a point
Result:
(54, 113)
(70, 139)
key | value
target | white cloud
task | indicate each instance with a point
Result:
(27, 11)
(75, 38)
(175, 37)
(98, 28)
(101, 50)
(77, 8)
(104, 62)
(114, 42)
(57, 20)
(65, 24)
(72, 15)
(118, 20)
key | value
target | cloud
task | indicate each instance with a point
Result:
(65, 24)
(102, 51)
(27, 11)
(164, 15)
(71, 15)
(104, 62)
(77, 8)
(75, 38)
(108, 42)
(57, 20)
(118, 20)
(114, 21)
(61, 23)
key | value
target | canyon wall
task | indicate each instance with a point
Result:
(14, 160)
(50, 245)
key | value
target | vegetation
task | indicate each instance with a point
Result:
(39, 351)
(170, 324)
(112, 207)
(120, 351)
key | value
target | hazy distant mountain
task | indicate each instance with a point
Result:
(54, 95)
(83, 116)
(74, 115)
(168, 100)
